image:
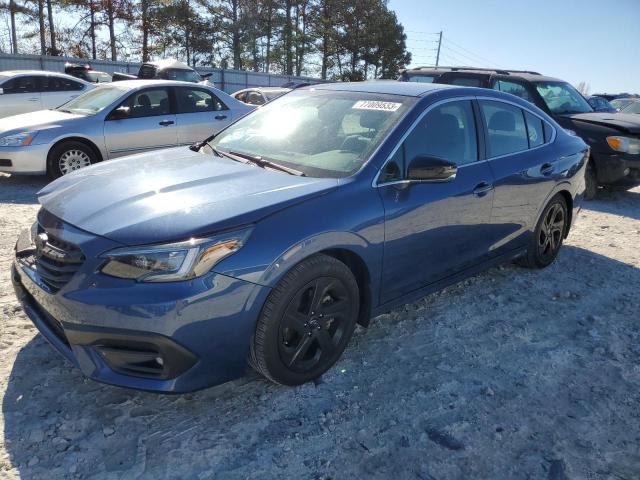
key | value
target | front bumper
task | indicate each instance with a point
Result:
(173, 337)
(31, 159)
(617, 168)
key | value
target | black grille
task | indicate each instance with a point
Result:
(56, 261)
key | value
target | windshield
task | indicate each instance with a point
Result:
(181, 75)
(561, 98)
(633, 107)
(320, 133)
(98, 77)
(274, 94)
(93, 101)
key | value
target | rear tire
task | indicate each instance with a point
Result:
(590, 182)
(67, 157)
(306, 322)
(548, 234)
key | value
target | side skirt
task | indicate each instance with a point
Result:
(445, 282)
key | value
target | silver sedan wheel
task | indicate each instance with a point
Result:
(73, 160)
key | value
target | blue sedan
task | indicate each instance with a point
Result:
(266, 244)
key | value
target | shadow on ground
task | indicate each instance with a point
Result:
(21, 189)
(616, 202)
(511, 374)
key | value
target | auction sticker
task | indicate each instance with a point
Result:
(375, 105)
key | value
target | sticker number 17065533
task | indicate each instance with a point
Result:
(376, 105)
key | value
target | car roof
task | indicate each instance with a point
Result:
(22, 73)
(528, 75)
(169, 63)
(391, 87)
(264, 89)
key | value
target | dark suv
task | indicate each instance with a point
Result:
(614, 138)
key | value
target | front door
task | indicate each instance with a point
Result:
(149, 125)
(434, 230)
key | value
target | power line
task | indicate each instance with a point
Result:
(484, 59)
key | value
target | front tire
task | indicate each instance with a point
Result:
(69, 156)
(548, 235)
(590, 182)
(306, 322)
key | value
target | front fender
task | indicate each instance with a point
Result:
(309, 246)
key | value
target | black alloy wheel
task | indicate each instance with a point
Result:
(306, 321)
(549, 234)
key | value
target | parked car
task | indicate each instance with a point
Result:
(259, 95)
(113, 120)
(600, 104)
(86, 73)
(614, 139)
(169, 69)
(633, 107)
(169, 277)
(23, 91)
(621, 103)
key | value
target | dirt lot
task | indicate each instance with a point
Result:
(511, 374)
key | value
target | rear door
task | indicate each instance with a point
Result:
(20, 95)
(524, 166)
(151, 124)
(200, 113)
(435, 229)
(56, 91)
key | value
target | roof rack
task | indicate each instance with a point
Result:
(478, 69)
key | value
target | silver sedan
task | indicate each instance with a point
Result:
(111, 121)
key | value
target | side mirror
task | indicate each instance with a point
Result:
(120, 113)
(206, 76)
(425, 168)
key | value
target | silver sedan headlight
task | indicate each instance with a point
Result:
(174, 261)
(21, 139)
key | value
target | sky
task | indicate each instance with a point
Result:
(596, 42)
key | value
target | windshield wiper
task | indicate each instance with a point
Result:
(197, 146)
(262, 162)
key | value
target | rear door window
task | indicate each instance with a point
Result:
(466, 81)
(514, 88)
(505, 127)
(535, 130)
(195, 100)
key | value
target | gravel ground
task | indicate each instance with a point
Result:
(510, 374)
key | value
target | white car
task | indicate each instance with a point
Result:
(24, 91)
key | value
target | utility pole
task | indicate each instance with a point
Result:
(438, 54)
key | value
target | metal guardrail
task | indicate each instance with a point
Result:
(228, 80)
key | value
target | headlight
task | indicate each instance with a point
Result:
(21, 139)
(624, 144)
(174, 261)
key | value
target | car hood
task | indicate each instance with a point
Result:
(172, 194)
(39, 120)
(626, 122)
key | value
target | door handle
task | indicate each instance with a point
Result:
(220, 117)
(546, 169)
(482, 189)
(166, 123)
(34, 99)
